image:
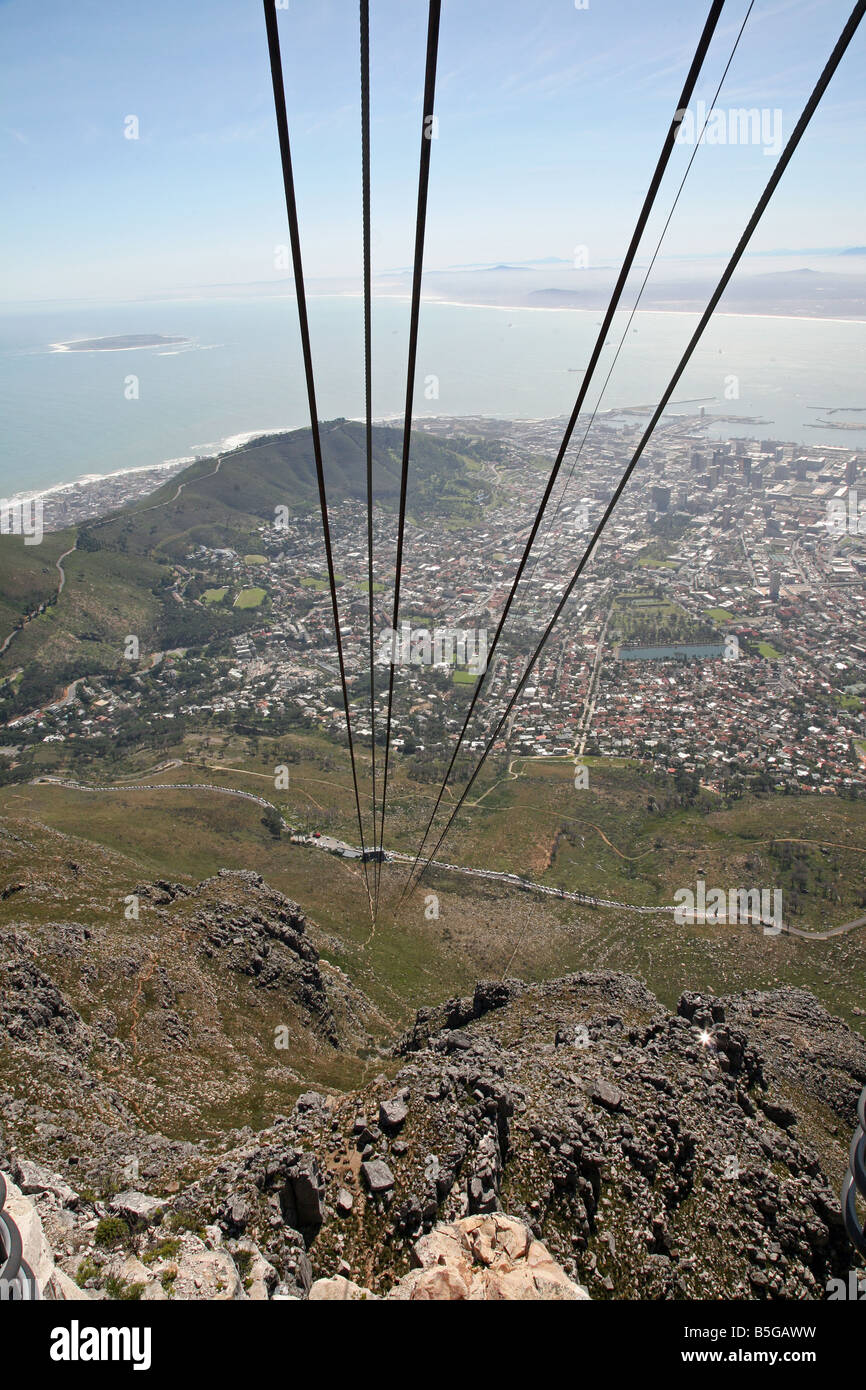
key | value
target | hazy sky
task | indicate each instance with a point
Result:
(551, 119)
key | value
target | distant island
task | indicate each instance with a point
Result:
(122, 343)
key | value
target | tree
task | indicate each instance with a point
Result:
(272, 820)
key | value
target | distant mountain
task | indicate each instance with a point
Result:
(803, 291)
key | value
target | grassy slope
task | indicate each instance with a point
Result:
(28, 575)
(221, 508)
(488, 929)
(106, 597)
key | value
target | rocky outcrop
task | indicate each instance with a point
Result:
(140, 1039)
(267, 943)
(638, 1153)
(52, 1282)
(476, 1259)
(485, 1257)
(32, 1008)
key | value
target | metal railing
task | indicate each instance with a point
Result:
(17, 1280)
(855, 1179)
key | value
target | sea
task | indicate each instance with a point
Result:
(68, 415)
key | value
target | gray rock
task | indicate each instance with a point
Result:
(33, 1178)
(605, 1094)
(377, 1176)
(136, 1206)
(305, 1193)
(392, 1113)
(311, 1100)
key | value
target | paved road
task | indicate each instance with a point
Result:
(58, 565)
(156, 787)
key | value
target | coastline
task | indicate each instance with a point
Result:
(93, 494)
(582, 309)
(207, 451)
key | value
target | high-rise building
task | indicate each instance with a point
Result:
(660, 496)
(851, 471)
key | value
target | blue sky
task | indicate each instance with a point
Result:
(551, 119)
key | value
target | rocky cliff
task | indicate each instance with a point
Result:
(645, 1154)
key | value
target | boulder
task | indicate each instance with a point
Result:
(205, 1274)
(485, 1257)
(305, 1194)
(392, 1113)
(33, 1178)
(377, 1176)
(604, 1093)
(338, 1290)
(136, 1206)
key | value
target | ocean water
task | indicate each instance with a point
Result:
(67, 414)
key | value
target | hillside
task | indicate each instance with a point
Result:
(222, 502)
(692, 1148)
(692, 1154)
(185, 1008)
(120, 577)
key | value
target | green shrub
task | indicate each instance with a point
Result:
(88, 1269)
(186, 1221)
(166, 1250)
(111, 1230)
(119, 1289)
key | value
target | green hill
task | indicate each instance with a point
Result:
(119, 579)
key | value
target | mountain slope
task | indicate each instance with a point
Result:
(206, 504)
(119, 579)
(171, 1009)
(694, 1154)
